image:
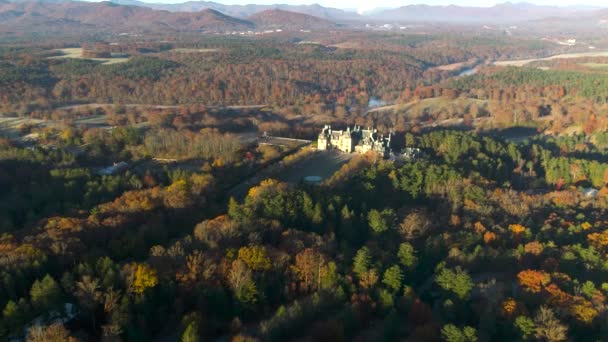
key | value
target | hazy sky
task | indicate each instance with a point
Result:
(397, 3)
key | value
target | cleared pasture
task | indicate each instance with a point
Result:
(322, 164)
(522, 62)
(9, 127)
(76, 53)
(416, 109)
(596, 66)
(190, 50)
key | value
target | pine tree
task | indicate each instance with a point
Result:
(362, 261)
(191, 333)
(393, 278)
(407, 255)
(45, 293)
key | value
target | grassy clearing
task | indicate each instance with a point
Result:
(417, 108)
(597, 66)
(187, 50)
(9, 127)
(92, 121)
(308, 42)
(322, 164)
(523, 62)
(77, 54)
(347, 45)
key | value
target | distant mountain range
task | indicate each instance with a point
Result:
(506, 12)
(244, 11)
(48, 16)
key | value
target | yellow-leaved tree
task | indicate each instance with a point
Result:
(145, 277)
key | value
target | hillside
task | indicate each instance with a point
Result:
(279, 19)
(45, 17)
(42, 17)
(211, 20)
(243, 11)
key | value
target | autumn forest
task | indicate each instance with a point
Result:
(153, 186)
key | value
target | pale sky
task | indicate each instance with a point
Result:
(382, 3)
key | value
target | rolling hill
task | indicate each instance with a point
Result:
(244, 11)
(54, 17)
(279, 19)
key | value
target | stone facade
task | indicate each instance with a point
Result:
(354, 140)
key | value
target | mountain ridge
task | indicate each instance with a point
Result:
(49, 16)
(244, 11)
(42, 16)
(280, 19)
(503, 12)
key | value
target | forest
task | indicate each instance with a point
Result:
(362, 257)
(145, 199)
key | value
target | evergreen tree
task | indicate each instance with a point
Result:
(407, 255)
(381, 221)
(362, 261)
(45, 293)
(455, 281)
(393, 278)
(451, 333)
(191, 333)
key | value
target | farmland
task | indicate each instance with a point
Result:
(76, 53)
(524, 62)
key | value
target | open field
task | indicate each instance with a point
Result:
(597, 66)
(308, 42)
(347, 45)
(92, 121)
(187, 50)
(322, 164)
(319, 163)
(523, 62)
(88, 106)
(451, 67)
(9, 127)
(458, 66)
(77, 54)
(418, 108)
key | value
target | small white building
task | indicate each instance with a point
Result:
(114, 169)
(407, 154)
(590, 192)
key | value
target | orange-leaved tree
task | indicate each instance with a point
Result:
(533, 281)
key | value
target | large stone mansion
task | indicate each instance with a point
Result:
(354, 140)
